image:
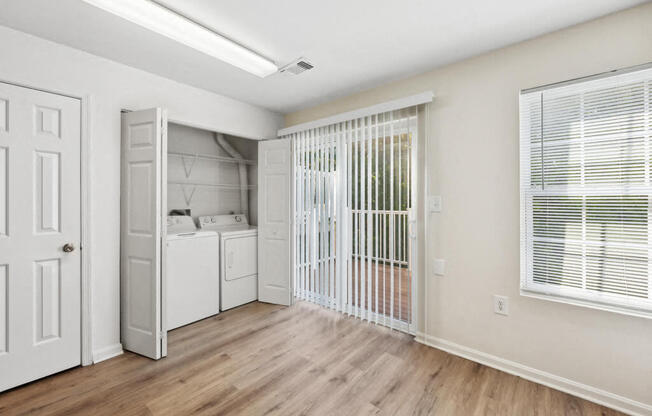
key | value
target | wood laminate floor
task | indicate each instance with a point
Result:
(304, 360)
(368, 274)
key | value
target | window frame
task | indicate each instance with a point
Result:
(623, 304)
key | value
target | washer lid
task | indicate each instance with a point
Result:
(191, 234)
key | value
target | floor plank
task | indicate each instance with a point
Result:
(264, 359)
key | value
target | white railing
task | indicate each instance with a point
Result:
(385, 217)
(401, 241)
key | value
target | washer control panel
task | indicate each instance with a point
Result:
(180, 224)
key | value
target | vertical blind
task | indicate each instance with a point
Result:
(585, 155)
(352, 216)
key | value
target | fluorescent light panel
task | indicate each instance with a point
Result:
(165, 22)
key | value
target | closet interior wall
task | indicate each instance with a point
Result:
(191, 175)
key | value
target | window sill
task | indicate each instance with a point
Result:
(639, 313)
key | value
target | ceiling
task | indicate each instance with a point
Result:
(354, 44)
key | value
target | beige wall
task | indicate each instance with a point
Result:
(473, 163)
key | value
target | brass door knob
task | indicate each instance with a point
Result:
(68, 248)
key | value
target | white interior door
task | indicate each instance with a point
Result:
(39, 216)
(142, 208)
(274, 194)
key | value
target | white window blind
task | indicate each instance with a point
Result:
(586, 191)
(353, 198)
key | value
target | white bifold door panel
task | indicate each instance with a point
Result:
(274, 195)
(39, 216)
(142, 208)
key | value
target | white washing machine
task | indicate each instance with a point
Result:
(238, 258)
(193, 283)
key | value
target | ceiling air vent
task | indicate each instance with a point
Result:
(296, 67)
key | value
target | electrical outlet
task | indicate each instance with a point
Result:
(501, 305)
(438, 267)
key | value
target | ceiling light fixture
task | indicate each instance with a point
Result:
(165, 22)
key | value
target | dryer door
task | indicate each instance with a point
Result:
(240, 257)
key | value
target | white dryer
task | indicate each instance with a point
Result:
(238, 258)
(192, 271)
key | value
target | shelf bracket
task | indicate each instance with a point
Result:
(187, 167)
(187, 196)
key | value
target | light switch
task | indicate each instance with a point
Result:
(438, 267)
(434, 203)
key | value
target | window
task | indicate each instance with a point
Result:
(585, 152)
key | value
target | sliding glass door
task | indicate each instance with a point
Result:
(354, 218)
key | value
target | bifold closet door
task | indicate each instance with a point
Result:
(274, 242)
(142, 320)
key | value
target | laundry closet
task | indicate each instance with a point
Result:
(190, 243)
(212, 205)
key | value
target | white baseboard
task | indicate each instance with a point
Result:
(107, 352)
(596, 395)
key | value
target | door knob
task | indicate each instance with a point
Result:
(68, 247)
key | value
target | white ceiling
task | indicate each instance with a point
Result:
(354, 44)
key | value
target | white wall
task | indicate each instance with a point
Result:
(111, 86)
(474, 165)
(206, 200)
